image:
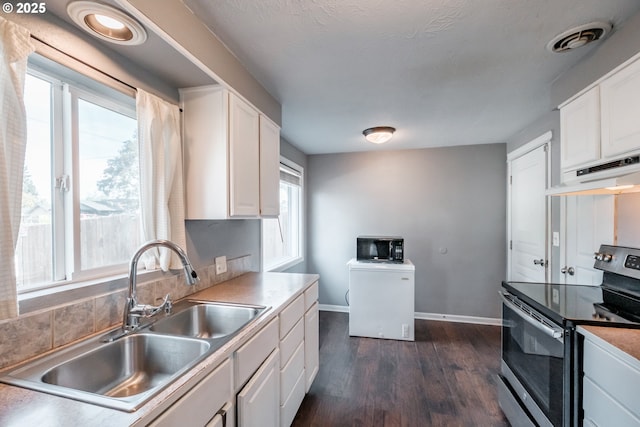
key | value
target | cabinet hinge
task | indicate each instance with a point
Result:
(510, 244)
(510, 179)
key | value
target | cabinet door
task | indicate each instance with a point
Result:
(244, 162)
(311, 345)
(269, 168)
(199, 406)
(259, 400)
(580, 130)
(620, 103)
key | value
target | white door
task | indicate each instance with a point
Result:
(528, 217)
(588, 223)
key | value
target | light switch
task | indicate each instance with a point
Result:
(556, 238)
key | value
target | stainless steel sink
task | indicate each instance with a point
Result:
(207, 320)
(129, 366)
(125, 373)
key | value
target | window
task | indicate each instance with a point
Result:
(282, 237)
(80, 203)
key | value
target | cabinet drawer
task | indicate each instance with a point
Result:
(310, 296)
(291, 372)
(311, 345)
(199, 405)
(289, 409)
(618, 378)
(289, 343)
(290, 315)
(251, 355)
(602, 410)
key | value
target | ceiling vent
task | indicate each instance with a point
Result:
(579, 36)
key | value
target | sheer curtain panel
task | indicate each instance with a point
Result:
(161, 187)
(15, 47)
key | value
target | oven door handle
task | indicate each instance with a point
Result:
(525, 314)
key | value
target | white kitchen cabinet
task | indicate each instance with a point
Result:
(223, 146)
(254, 352)
(620, 105)
(291, 360)
(206, 404)
(580, 130)
(259, 401)
(311, 336)
(611, 385)
(269, 168)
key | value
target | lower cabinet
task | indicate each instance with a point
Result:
(258, 401)
(311, 335)
(208, 404)
(611, 386)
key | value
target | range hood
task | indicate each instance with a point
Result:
(614, 177)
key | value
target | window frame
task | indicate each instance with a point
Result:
(291, 261)
(66, 91)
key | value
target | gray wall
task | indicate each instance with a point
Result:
(448, 200)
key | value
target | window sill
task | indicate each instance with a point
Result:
(285, 265)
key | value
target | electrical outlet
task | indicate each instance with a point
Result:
(221, 264)
(555, 296)
(405, 330)
(556, 239)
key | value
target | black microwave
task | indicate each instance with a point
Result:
(380, 249)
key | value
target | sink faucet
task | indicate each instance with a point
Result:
(134, 311)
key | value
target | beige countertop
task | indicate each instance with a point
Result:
(626, 340)
(21, 407)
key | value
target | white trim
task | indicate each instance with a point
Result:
(428, 316)
(459, 318)
(530, 146)
(336, 308)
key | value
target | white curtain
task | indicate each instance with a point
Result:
(161, 183)
(15, 47)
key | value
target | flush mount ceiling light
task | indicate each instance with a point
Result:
(378, 135)
(578, 36)
(107, 23)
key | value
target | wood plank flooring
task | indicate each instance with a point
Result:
(447, 377)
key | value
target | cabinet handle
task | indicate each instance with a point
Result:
(539, 262)
(223, 413)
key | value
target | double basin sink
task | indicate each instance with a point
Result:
(128, 371)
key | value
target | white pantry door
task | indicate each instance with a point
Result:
(528, 217)
(588, 223)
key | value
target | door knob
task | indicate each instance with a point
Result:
(570, 270)
(539, 262)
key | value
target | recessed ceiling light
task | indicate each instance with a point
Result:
(107, 23)
(378, 135)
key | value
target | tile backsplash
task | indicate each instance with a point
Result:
(36, 333)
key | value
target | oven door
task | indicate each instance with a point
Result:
(532, 363)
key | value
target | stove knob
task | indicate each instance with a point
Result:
(598, 256)
(607, 257)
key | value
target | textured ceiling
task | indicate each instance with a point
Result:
(443, 72)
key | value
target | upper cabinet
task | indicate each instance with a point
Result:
(603, 123)
(580, 130)
(620, 101)
(231, 155)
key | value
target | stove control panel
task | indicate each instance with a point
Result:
(620, 260)
(632, 262)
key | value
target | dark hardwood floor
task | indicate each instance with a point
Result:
(447, 377)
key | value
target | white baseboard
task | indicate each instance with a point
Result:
(460, 319)
(337, 308)
(428, 316)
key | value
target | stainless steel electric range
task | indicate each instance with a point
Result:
(541, 381)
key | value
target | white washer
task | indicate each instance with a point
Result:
(382, 300)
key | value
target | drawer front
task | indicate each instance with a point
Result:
(289, 409)
(290, 315)
(251, 355)
(290, 373)
(289, 343)
(618, 378)
(310, 296)
(602, 410)
(199, 405)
